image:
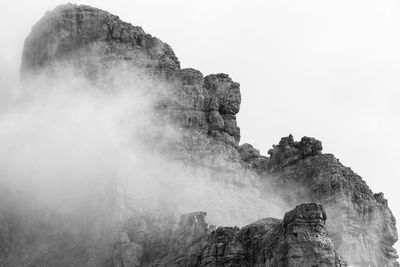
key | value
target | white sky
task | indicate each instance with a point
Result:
(326, 69)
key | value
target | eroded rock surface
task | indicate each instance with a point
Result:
(354, 223)
(360, 223)
(95, 42)
(71, 33)
(300, 239)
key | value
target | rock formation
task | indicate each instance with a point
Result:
(348, 224)
(361, 223)
(300, 239)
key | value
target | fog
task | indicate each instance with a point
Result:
(79, 159)
(317, 68)
(73, 148)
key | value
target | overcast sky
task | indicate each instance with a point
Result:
(326, 69)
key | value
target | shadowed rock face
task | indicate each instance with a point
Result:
(300, 239)
(354, 222)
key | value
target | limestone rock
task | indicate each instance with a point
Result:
(299, 240)
(305, 241)
(248, 152)
(358, 223)
(97, 44)
(288, 151)
(71, 33)
(226, 91)
(252, 157)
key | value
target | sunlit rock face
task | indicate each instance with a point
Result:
(353, 225)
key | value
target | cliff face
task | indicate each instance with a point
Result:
(300, 239)
(93, 41)
(361, 224)
(71, 32)
(348, 221)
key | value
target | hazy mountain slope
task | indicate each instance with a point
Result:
(190, 138)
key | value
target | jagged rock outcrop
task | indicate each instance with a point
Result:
(94, 42)
(300, 239)
(354, 223)
(71, 33)
(361, 223)
(288, 151)
(252, 157)
(100, 46)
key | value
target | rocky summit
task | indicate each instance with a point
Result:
(335, 218)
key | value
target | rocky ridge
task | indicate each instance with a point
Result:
(361, 224)
(348, 221)
(300, 239)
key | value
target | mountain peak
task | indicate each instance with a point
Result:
(336, 215)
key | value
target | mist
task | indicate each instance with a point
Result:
(335, 65)
(88, 153)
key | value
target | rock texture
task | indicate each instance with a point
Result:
(70, 33)
(352, 223)
(300, 239)
(361, 223)
(94, 41)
